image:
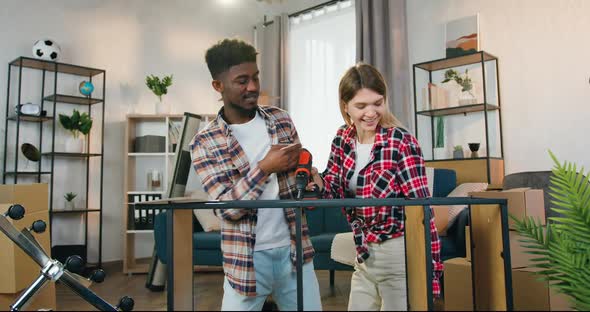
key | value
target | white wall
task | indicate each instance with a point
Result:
(129, 39)
(543, 53)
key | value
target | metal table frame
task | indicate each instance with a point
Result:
(179, 211)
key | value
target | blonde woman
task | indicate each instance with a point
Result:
(372, 156)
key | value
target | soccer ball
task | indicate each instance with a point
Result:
(46, 49)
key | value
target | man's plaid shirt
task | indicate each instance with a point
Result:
(396, 169)
(225, 173)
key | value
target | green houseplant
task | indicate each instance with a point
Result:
(562, 248)
(458, 152)
(78, 123)
(159, 87)
(467, 96)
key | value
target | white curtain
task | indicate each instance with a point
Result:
(322, 45)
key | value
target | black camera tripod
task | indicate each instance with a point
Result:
(52, 270)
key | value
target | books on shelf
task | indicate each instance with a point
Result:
(434, 97)
(141, 219)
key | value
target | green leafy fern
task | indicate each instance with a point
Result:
(562, 248)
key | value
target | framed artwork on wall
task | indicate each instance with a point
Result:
(462, 36)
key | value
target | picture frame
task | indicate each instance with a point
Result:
(462, 36)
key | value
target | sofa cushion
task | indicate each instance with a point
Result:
(445, 181)
(207, 240)
(463, 190)
(323, 242)
(315, 221)
(343, 248)
(208, 220)
(335, 220)
(450, 249)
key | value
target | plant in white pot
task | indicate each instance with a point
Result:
(159, 87)
(78, 123)
(70, 200)
(467, 96)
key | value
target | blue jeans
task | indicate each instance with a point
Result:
(275, 276)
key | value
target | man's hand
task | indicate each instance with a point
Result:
(316, 180)
(280, 158)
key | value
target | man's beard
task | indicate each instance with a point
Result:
(250, 112)
(241, 108)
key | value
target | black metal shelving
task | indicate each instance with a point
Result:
(463, 109)
(485, 107)
(11, 175)
(31, 118)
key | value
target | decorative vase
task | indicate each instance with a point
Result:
(474, 147)
(69, 205)
(467, 98)
(162, 108)
(458, 154)
(153, 180)
(75, 144)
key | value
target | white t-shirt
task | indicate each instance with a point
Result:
(363, 155)
(272, 230)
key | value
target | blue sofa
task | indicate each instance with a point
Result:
(324, 224)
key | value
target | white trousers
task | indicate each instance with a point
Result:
(379, 283)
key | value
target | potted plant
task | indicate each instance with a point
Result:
(69, 200)
(458, 152)
(439, 140)
(159, 87)
(78, 123)
(562, 247)
(467, 97)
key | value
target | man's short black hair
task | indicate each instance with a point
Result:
(228, 53)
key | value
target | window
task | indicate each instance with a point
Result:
(322, 45)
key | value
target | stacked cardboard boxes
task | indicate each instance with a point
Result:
(529, 294)
(18, 269)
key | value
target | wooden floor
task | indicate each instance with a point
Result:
(208, 291)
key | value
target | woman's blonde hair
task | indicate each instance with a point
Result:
(362, 76)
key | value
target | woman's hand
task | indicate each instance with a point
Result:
(316, 180)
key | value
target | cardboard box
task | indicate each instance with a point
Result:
(458, 295)
(522, 202)
(530, 294)
(494, 187)
(441, 219)
(44, 299)
(467, 243)
(518, 257)
(34, 197)
(18, 269)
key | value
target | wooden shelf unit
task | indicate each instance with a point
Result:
(138, 125)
